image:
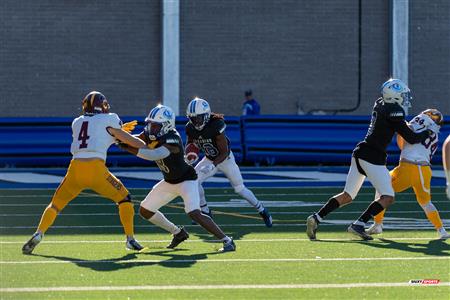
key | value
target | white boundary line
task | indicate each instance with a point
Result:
(213, 287)
(214, 241)
(230, 260)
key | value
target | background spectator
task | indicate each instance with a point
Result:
(250, 106)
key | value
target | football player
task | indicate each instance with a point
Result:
(93, 133)
(207, 131)
(446, 162)
(369, 158)
(165, 147)
(414, 170)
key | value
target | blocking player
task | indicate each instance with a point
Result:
(180, 179)
(414, 170)
(207, 131)
(93, 133)
(446, 162)
(369, 158)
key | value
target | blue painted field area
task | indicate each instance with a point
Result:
(147, 177)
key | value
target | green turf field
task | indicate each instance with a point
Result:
(83, 256)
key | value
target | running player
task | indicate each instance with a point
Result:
(180, 179)
(414, 170)
(369, 158)
(207, 131)
(93, 133)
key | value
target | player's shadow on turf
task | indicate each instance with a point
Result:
(434, 247)
(174, 260)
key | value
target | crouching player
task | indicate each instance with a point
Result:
(414, 170)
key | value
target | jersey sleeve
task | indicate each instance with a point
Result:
(114, 121)
(218, 127)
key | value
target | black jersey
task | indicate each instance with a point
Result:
(205, 138)
(173, 167)
(387, 118)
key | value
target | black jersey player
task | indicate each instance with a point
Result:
(165, 147)
(369, 158)
(207, 131)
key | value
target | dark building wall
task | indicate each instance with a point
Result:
(287, 51)
(429, 54)
(54, 52)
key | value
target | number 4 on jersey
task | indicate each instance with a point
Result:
(83, 135)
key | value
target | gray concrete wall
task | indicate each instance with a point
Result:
(53, 52)
(288, 51)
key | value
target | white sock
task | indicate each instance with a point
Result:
(161, 221)
(226, 239)
(318, 217)
(441, 230)
(251, 198)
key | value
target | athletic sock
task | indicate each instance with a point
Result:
(435, 219)
(379, 218)
(161, 221)
(251, 198)
(330, 206)
(47, 219)
(126, 213)
(205, 209)
(374, 209)
(203, 204)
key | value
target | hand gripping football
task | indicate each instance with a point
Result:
(191, 153)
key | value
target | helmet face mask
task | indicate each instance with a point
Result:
(160, 121)
(95, 103)
(198, 112)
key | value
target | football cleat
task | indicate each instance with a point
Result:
(266, 217)
(178, 238)
(359, 231)
(228, 246)
(311, 226)
(375, 229)
(443, 235)
(32, 243)
(132, 244)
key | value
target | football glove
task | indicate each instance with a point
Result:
(129, 126)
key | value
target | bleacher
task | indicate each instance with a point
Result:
(266, 140)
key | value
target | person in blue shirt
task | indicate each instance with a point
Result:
(251, 106)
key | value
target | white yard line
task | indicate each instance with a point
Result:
(230, 260)
(212, 287)
(202, 241)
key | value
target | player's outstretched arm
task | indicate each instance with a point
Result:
(410, 136)
(126, 138)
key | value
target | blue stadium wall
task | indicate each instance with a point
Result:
(261, 140)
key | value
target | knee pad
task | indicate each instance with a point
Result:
(429, 207)
(239, 188)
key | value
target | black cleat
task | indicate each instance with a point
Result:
(228, 247)
(134, 245)
(358, 230)
(178, 238)
(265, 215)
(32, 243)
(311, 226)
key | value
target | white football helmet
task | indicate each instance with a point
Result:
(396, 91)
(198, 112)
(160, 121)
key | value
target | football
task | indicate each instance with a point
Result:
(192, 151)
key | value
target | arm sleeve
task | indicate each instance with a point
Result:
(410, 136)
(153, 154)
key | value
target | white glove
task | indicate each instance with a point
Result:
(206, 169)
